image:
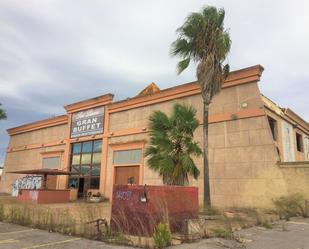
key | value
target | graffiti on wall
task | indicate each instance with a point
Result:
(288, 145)
(27, 182)
(123, 195)
(34, 195)
(306, 143)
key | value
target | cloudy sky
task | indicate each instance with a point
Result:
(57, 52)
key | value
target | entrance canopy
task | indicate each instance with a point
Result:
(43, 172)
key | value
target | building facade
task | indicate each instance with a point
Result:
(257, 150)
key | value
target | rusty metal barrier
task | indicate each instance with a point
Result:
(98, 224)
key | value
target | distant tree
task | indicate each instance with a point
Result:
(2, 113)
(171, 145)
(204, 40)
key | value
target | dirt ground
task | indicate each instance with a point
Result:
(293, 234)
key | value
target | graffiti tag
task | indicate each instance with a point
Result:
(27, 182)
(123, 195)
(34, 195)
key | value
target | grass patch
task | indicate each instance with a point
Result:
(210, 211)
(116, 238)
(290, 205)
(66, 219)
(225, 233)
(20, 215)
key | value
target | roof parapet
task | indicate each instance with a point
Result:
(238, 77)
(89, 103)
(58, 120)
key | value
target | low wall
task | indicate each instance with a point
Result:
(40, 196)
(136, 209)
(69, 218)
(296, 176)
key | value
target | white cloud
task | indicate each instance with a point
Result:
(51, 48)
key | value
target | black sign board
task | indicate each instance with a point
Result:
(86, 123)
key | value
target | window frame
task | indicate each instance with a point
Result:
(57, 167)
(299, 142)
(274, 131)
(91, 164)
(128, 146)
(125, 150)
(49, 154)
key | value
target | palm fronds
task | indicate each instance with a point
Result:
(203, 39)
(171, 144)
(2, 113)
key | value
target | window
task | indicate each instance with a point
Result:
(273, 127)
(77, 148)
(299, 142)
(86, 161)
(97, 146)
(128, 156)
(51, 162)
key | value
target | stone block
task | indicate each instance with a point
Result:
(219, 155)
(231, 107)
(233, 155)
(216, 141)
(238, 139)
(235, 171)
(216, 128)
(252, 154)
(232, 126)
(260, 137)
(251, 123)
(225, 186)
(217, 171)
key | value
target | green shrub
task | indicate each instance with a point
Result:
(162, 235)
(223, 233)
(290, 205)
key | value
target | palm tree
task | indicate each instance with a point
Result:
(2, 113)
(171, 145)
(204, 40)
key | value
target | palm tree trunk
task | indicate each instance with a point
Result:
(207, 202)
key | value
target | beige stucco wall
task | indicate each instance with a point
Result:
(138, 118)
(30, 158)
(41, 136)
(236, 147)
(242, 154)
(297, 177)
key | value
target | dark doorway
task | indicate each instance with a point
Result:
(81, 187)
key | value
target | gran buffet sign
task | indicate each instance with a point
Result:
(88, 122)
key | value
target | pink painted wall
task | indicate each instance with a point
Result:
(172, 203)
(40, 196)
